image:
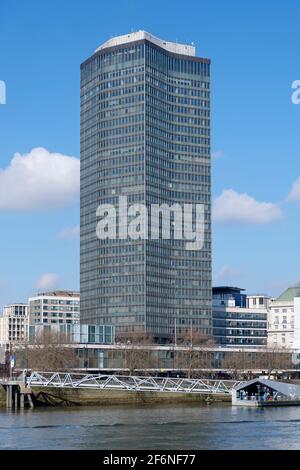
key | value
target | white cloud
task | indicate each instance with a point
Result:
(217, 154)
(3, 284)
(70, 233)
(233, 207)
(47, 281)
(294, 194)
(227, 273)
(39, 180)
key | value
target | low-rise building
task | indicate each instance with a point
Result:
(284, 319)
(74, 333)
(14, 323)
(57, 307)
(237, 320)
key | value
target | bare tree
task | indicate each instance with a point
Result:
(274, 359)
(138, 356)
(194, 337)
(194, 357)
(269, 360)
(49, 351)
(235, 362)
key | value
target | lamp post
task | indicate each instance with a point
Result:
(175, 343)
(10, 361)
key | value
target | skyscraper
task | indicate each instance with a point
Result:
(145, 134)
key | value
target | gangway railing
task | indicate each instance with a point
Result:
(130, 383)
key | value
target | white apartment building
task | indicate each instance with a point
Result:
(14, 323)
(284, 319)
(57, 307)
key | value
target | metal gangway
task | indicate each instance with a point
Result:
(130, 383)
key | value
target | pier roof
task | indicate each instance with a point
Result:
(284, 388)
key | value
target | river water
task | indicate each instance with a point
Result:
(150, 428)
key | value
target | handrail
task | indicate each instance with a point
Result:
(130, 383)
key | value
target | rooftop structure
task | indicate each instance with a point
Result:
(259, 301)
(182, 49)
(290, 293)
(230, 296)
(59, 293)
(226, 290)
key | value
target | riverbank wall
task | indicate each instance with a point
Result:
(53, 396)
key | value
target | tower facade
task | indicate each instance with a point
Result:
(145, 137)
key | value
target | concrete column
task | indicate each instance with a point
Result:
(9, 396)
(22, 401)
(16, 398)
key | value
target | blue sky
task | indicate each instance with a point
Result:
(254, 47)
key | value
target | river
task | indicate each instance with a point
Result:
(149, 428)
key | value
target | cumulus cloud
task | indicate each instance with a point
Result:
(70, 233)
(47, 281)
(3, 284)
(233, 207)
(217, 154)
(294, 194)
(227, 273)
(39, 180)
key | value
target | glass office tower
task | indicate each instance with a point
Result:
(145, 134)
